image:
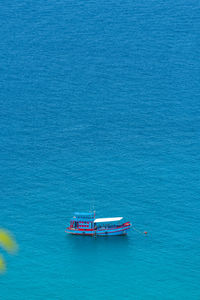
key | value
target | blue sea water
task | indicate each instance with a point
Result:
(99, 105)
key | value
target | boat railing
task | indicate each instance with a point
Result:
(109, 226)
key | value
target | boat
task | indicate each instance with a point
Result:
(87, 224)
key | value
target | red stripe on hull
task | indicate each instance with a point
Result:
(80, 229)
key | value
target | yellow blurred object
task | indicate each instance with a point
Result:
(7, 241)
(2, 264)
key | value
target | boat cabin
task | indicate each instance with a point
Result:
(82, 221)
(107, 223)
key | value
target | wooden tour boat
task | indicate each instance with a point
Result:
(87, 224)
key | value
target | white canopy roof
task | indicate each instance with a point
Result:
(104, 220)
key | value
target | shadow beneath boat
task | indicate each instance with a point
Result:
(91, 244)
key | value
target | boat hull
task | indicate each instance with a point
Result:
(79, 231)
(123, 230)
(120, 230)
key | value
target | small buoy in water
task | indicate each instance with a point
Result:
(145, 232)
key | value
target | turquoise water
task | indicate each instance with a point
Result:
(100, 106)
